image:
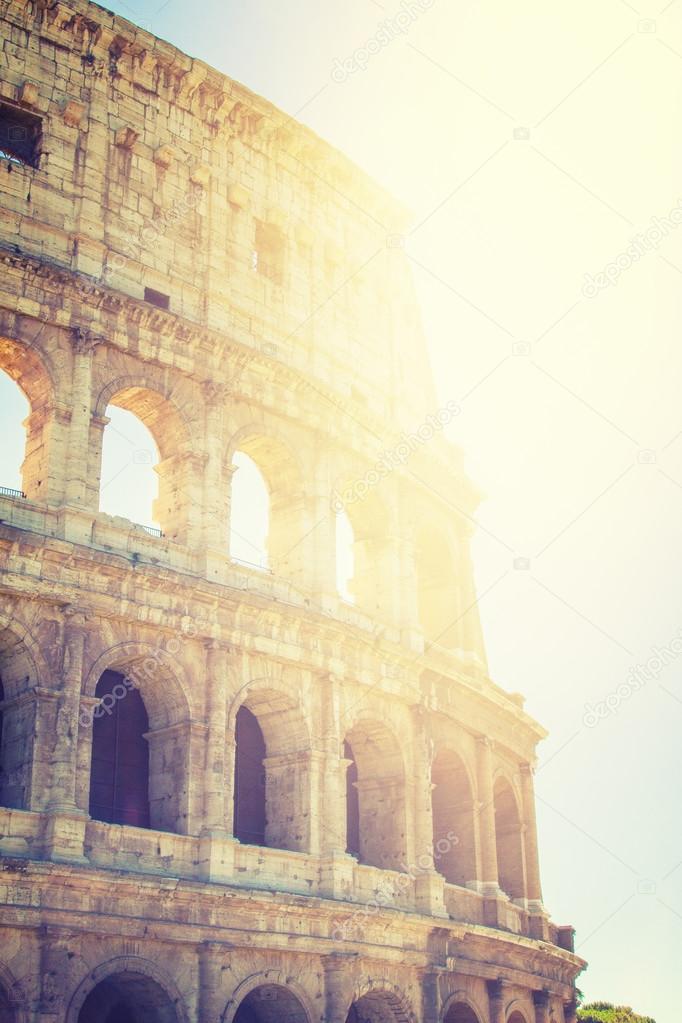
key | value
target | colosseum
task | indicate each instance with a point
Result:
(232, 793)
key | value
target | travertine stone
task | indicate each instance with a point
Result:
(283, 340)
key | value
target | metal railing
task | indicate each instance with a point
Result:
(152, 530)
(10, 492)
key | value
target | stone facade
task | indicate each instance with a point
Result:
(173, 245)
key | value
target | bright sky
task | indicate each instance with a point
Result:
(534, 141)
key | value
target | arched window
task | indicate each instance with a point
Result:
(454, 850)
(509, 841)
(128, 997)
(14, 409)
(249, 514)
(271, 1003)
(380, 791)
(352, 803)
(2, 745)
(129, 485)
(27, 417)
(268, 521)
(249, 779)
(119, 775)
(460, 1012)
(376, 1007)
(272, 781)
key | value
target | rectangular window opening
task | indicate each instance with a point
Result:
(157, 298)
(20, 135)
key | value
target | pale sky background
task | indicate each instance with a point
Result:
(545, 136)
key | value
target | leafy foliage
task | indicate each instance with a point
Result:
(604, 1012)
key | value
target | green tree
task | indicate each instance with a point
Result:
(604, 1012)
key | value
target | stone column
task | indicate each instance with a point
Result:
(54, 974)
(495, 1000)
(533, 888)
(541, 1005)
(338, 983)
(65, 823)
(430, 997)
(217, 475)
(76, 488)
(215, 810)
(211, 996)
(486, 815)
(571, 1011)
(337, 865)
(320, 547)
(429, 884)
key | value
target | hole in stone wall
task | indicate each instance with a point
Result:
(20, 135)
(267, 257)
(14, 409)
(129, 485)
(249, 514)
(249, 779)
(157, 298)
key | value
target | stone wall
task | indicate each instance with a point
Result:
(177, 247)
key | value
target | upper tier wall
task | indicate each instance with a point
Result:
(156, 171)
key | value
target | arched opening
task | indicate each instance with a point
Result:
(272, 772)
(18, 723)
(119, 770)
(271, 1003)
(352, 803)
(128, 998)
(378, 777)
(345, 558)
(249, 514)
(460, 1012)
(7, 1013)
(454, 850)
(129, 485)
(364, 558)
(437, 598)
(26, 400)
(376, 1007)
(509, 841)
(249, 779)
(268, 523)
(146, 462)
(517, 1017)
(15, 409)
(140, 685)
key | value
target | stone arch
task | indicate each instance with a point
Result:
(164, 694)
(509, 838)
(379, 1001)
(516, 1015)
(30, 371)
(454, 814)
(13, 1001)
(459, 1007)
(155, 406)
(132, 976)
(268, 980)
(283, 801)
(382, 825)
(283, 475)
(22, 671)
(369, 520)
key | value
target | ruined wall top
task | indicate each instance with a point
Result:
(166, 181)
